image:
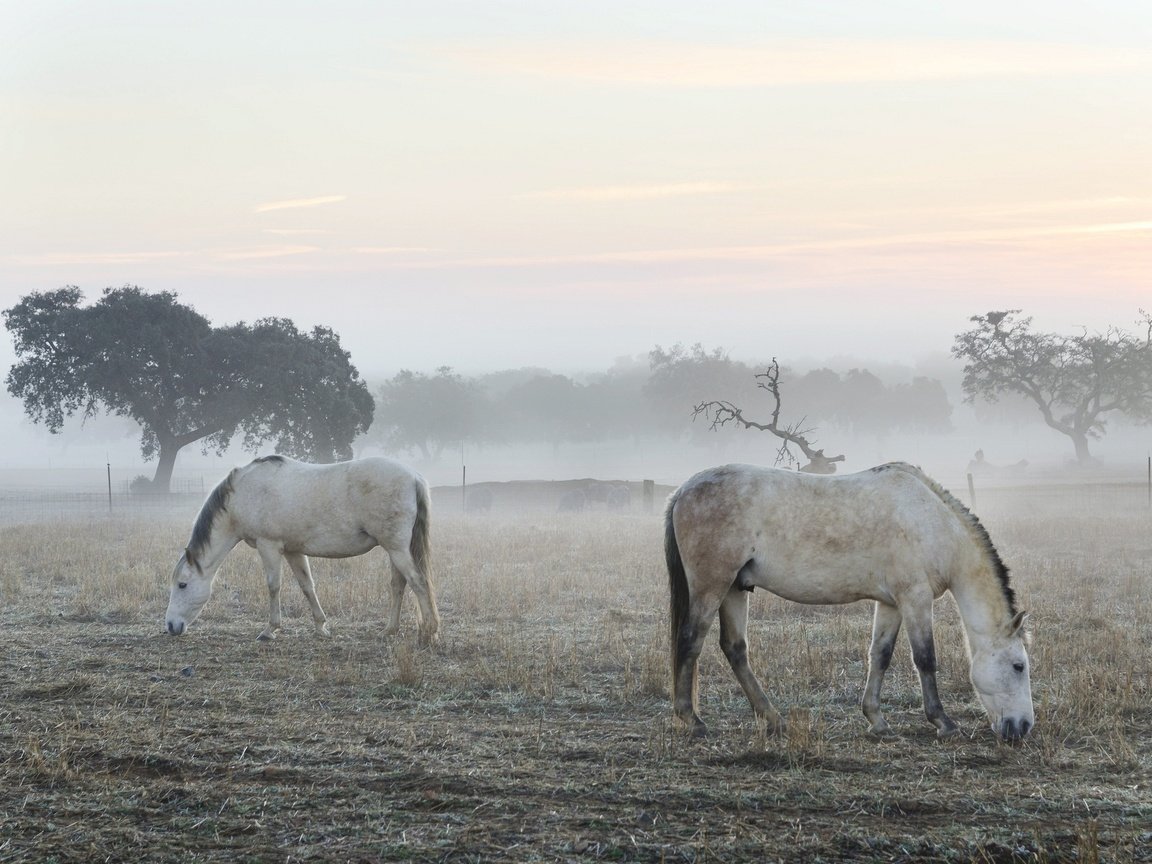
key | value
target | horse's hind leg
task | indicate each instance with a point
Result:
(685, 668)
(299, 565)
(733, 642)
(396, 590)
(885, 629)
(421, 586)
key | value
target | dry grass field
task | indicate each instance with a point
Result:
(540, 729)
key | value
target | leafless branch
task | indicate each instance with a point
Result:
(721, 413)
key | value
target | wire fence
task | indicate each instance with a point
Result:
(33, 506)
(116, 499)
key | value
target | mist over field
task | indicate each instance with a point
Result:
(667, 450)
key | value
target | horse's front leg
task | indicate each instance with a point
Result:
(270, 558)
(924, 656)
(734, 644)
(885, 629)
(299, 565)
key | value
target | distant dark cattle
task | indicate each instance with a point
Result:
(479, 501)
(980, 466)
(573, 501)
(597, 492)
(619, 497)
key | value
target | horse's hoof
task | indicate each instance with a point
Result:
(323, 630)
(266, 636)
(946, 732)
(883, 732)
(774, 726)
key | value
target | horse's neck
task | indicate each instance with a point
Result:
(980, 599)
(220, 542)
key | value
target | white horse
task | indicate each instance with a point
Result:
(889, 534)
(291, 509)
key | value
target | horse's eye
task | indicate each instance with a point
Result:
(185, 585)
(1019, 667)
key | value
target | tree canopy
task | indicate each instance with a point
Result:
(1074, 381)
(427, 412)
(148, 357)
(645, 397)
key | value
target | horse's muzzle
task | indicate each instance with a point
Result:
(176, 629)
(1014, 730)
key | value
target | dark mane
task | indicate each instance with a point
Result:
(974, 524)
(998, 565)
(216, 504)
(275, 458)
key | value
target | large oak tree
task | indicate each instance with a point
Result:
(148, 357)
(1073, 380)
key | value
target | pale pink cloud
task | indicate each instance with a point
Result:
(784, 62)
(391, 250)
(298, 203)
(770, 251)
(297, 232)
(266, 252)
(638, 192)
(94, 258)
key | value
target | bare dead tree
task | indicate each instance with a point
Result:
(721, 413)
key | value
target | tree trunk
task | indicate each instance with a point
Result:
(162, 480)
(1080, 441)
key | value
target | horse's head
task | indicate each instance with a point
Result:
(191, 588)
(1000, 675)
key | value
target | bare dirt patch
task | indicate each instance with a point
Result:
(540, 730)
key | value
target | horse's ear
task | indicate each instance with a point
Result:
(1017, 624)
(190, 558)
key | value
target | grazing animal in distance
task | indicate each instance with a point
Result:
(288, 509)
(890, 534)
(619, 497)
(596, 492)
(479, 500)
(573, 501)
(982, 467)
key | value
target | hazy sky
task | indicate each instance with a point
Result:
(495, 184)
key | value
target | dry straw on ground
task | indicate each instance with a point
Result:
(540, 730)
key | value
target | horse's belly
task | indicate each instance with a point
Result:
(814, 594)
(329, 546)
(819, 587)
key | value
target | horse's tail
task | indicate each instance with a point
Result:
(420, 545)
(678, 600)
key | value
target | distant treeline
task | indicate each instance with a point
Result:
(427, 412)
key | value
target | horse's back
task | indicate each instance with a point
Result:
(320, 508)
(892, 491)
(812, 538)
